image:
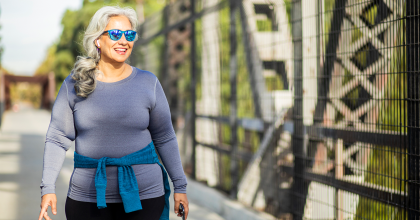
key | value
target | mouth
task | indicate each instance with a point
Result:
(121, 51)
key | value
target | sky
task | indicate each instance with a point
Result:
(28, 28)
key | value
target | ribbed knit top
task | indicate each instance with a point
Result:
(116, 119)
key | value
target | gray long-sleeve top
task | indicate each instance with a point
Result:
(115, 120)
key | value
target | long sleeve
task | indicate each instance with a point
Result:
(164, 138)
(60, 134)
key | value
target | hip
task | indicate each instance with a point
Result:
(149, 180)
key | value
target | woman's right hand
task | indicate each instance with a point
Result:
(48, 200)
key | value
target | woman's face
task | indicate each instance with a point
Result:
(115, 51)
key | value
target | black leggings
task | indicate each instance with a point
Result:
(76, 210)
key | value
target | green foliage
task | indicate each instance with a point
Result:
(288, 6)
(370, 14)
(328, 15)
(48, 64)
(347, 77)
(387, 165)
(152, 6)
(386, 168)
(224, 23)
(247, 140)
(393, 112)
(371, 209)
(25, 92)
(184, 81)
(64, 61)
(264, 25)
(356, 34)
(274, 83)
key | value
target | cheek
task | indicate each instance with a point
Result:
(131, 45)
(108, 45)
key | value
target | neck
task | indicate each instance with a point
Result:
(111, 70)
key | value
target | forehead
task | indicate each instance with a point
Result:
(119, 22)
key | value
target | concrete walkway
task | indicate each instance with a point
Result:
(22, 139)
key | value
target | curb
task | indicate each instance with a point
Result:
(217, 202)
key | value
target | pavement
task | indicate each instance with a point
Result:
(22, 140)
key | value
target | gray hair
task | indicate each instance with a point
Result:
(84, 71)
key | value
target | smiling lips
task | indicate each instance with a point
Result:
(121, 51)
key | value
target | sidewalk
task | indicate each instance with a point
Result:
(22, 138)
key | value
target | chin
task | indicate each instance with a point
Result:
(121, 60)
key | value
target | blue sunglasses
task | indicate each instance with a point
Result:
(116, 34)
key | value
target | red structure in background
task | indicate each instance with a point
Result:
(47, 83)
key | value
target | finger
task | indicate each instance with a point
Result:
(54, 207)
(176, 207)
(180, 214)
(184, 207)
(46, 216)
(43, 210)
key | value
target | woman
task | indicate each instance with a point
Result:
(116, 114)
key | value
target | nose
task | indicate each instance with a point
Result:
(123, 40)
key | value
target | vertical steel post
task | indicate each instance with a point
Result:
(165, 55)
(234, 171)
(298, 203)
(413, 111)
(253, 65)
(165, 75)
(193, 90)
(324, 75)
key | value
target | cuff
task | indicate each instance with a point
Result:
(47, 190)
(180, 184)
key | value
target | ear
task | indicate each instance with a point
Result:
(97, 43)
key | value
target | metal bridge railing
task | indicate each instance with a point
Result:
(305, 109)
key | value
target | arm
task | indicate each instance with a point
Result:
(60, 134)
(164, 138)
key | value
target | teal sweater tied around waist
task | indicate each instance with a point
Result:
(126, 178)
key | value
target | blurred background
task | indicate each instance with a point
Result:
(288, 109)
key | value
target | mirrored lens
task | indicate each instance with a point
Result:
(115, 34)
(130, 35)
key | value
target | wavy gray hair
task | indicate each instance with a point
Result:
(84, 71)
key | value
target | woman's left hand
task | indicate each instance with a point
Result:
(181, 198)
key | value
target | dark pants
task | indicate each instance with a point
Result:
(76, 210)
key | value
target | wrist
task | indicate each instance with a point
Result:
(46, 191)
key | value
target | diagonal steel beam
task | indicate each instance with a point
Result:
(262, 102)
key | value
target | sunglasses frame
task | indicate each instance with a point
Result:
(122, 32)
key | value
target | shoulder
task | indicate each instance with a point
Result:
(69, 81)
(145, 74)
(145, 78)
